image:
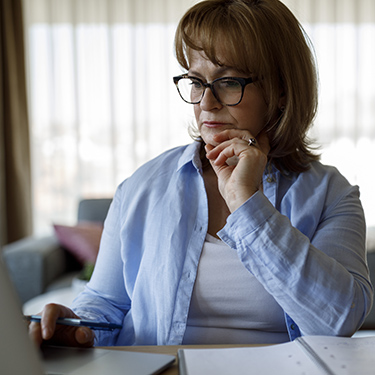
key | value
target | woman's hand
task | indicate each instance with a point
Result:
(55, 334)
(237, 183)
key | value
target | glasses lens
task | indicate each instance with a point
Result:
(190, 89)
(228, 91)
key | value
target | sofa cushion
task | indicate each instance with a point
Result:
(82, 240)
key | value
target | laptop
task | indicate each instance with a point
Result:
(18, 355)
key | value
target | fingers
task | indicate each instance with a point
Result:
(84, 337)
(218, 155)
(233, 143)
(35, 333)
(221, 153)
(47, 330)
(262, 141)
(50, 314)
(44, 330)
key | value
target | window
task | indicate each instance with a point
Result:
(102, 99)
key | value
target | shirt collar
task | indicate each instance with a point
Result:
(191, 155)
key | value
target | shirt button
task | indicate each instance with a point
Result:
(292, 326)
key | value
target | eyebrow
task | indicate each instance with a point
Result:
(217, 72)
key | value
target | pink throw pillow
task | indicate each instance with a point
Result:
(82, 240)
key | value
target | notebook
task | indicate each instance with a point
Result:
(307, 355)
(18, 355)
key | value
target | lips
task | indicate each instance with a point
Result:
(214, 124)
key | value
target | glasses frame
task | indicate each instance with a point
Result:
(242, 81)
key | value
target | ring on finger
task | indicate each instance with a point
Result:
(252, 141)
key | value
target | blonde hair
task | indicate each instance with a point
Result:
(262, 38)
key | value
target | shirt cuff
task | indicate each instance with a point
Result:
(246, 219)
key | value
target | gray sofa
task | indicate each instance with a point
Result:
(38, 265)
(370, 320)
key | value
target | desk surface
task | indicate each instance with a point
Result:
(172, 350)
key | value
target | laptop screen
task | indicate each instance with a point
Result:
(18, 355)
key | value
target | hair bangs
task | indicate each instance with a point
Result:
(219, 35)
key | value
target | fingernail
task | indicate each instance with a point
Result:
(87, 335)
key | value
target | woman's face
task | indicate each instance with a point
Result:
(213, 117)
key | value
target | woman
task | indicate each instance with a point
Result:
(242, 236)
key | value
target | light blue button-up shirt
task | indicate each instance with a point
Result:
(303, 238)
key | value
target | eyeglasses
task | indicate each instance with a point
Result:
(228, 91)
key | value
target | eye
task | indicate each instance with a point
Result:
(195, 83)
(229, 84)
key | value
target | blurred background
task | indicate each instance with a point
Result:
(98, 100)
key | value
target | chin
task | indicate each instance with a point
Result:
(208, 139)
(210, 142)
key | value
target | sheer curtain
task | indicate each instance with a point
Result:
(101, 95)
(343, 33)
(102, 99)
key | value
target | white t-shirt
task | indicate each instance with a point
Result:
(229, 305)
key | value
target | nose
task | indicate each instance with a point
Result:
(209, 101)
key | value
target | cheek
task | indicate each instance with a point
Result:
(252, 115)
(254, 120)
(197, 112)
